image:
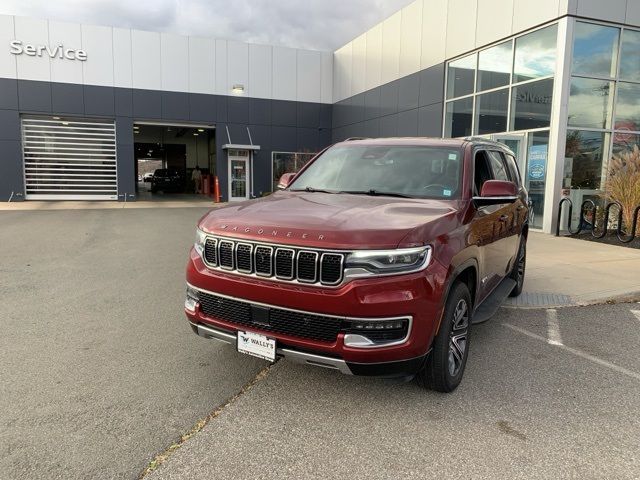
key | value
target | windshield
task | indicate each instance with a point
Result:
(412, 171)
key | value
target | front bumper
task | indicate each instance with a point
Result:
(417, 295)
(386, 369)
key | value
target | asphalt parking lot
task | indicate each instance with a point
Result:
(101, 373)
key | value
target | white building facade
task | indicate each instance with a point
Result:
(557, 80)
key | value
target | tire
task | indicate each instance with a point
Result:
(445, 366)
(519, 269)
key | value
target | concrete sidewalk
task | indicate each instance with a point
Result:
(563, 271)
(184, 202)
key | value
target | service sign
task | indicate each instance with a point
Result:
(18, 47)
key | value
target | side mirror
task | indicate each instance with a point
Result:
(495, 192)
(285, 180)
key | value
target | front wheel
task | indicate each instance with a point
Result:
(448, 358)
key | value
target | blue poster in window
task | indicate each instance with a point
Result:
(537, 162)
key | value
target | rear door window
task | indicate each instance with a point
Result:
(498, 166)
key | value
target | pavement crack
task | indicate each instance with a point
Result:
(163, 456)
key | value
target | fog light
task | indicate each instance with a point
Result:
(191, 302)
(375, 333)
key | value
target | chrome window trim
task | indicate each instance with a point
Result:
(215, 247)
(235, 249)
(233, 255)
(340, 278)
(293, 263)
(409, 318)
(315, 271)
(271, 262)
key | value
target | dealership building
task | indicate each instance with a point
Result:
(86, 110)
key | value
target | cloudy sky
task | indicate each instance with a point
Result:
(315, 24)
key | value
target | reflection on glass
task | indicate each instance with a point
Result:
(590, 103)
(595, 50)
(628, 107)
(583, 165)
(630, 56)
(458, 118)
(491, 112)
(535, 175)
(535, 54)
(494, 67)
(238, 178)
(461, 76)
(624, 142)
(531, 105)
(287, 162)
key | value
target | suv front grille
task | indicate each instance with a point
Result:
(287, 322)
(271, 261)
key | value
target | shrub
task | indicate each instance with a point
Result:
(623, 183)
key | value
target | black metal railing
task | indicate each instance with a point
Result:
(585, 224)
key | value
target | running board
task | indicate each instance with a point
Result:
(491, 304)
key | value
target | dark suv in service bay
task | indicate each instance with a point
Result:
(375, 259)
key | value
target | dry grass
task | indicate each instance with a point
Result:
(623, 183)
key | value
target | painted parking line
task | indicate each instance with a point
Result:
(553, 329)
(636, 313)
(578, 353)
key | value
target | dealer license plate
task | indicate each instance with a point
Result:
(257, 345)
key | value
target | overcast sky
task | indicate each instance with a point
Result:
(314, 24)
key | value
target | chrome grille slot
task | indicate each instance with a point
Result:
(225, 254)
(331, 268)
(211, 251)
(284, 263)
(307, 266)
(244, 262)
(275, 261)
(262, 260)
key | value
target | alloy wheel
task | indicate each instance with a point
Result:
(458, 337)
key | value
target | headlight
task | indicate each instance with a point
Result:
(201, 238)
(401, 260)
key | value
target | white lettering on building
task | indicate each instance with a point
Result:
(17, 47)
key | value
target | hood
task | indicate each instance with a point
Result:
(325, 220)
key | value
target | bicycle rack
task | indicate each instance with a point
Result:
(605, 223)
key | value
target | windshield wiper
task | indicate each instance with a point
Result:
(311, 190)
(376, 193)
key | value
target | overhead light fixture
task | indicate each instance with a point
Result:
(238, 89)
(56, 118)
(65, 123)
(195, 134)
(201, 129)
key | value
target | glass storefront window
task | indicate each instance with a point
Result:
(531, 105)
(628, 107)
(535, 176)
(584, 168)
(461, 76)
(459, 117)
(624, 142)
(595, 50)
(590, 103)
(630, 56)
(494, 67)
(535, 55)
(491, 112)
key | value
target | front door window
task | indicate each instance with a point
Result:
(238, 174)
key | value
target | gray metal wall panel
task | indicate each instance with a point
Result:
(34, 96)
(9, 126)
(259, 111)
(11, 177)
(408, 92)
(67, 98)
(307, 114)
(123, 102)
(408, 123)
(238, 110)
(99, 101)
(432, 85)
(389, 98)
(202, 107)
(284, 113)
(125, 159)
(175, 105)
(430, 120)
(147, 104)
(8, 93)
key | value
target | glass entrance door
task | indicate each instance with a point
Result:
(238, 175)
(531, 151)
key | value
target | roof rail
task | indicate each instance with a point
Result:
(350, 139)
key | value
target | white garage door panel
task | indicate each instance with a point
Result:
(69, 159)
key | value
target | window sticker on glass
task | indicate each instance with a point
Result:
(446, 193)
(453, 156)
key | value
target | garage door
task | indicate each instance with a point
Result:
(69, 159)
